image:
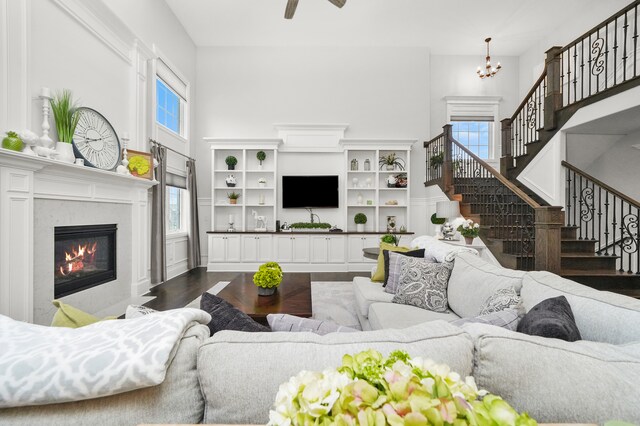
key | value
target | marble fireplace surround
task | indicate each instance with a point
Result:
(65, 194)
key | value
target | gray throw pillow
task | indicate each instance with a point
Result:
(224, 316)
(551, 318)
(502, 299)
(292, 323)
(393, 268)
(423, 284)
(506, 318)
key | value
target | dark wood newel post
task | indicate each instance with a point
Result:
(549, 222)
(447, 167)
(553, 98)
(506, 158)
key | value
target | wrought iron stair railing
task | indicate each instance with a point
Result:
(604, 215)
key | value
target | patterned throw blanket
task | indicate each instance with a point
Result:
(46, 365)
(438, 251)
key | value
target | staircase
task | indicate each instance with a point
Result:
(594, 238)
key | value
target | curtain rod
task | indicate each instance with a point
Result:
(170, 149)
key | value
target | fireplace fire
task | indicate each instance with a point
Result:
(85, 256)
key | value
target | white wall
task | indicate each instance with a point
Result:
(618, 166)
(380, 92)
(531, 61)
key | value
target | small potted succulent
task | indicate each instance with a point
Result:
(360, 219)
(233, 197)
(262, 182)
(231, 162)
(390, 239)
(268, 278)
(261, 156)
(469, 231)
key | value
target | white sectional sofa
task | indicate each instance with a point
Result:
(233, 377)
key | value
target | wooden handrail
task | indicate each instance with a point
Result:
(601, 25)
(530, 93)
(602, 184)
(427, 143)
(506, 182)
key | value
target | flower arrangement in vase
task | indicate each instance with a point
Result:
(469, 231)
(268, 278)
(369, 389)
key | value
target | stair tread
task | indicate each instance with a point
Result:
(588, 255)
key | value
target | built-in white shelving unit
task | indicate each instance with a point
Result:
(367, 190)
(253, 196)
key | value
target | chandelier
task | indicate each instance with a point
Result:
(488, 71)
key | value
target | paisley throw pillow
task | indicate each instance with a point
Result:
(502, 299)
(423, 284)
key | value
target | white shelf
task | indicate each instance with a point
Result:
(260, 171)
(372, 206)
(229, 188)
(391, 206)
(259, 205)
(269, 188)
(361, 189)
(228, 205)
(362, 171)
(228, 171)
(393, 189)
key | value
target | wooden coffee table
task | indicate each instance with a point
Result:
(293, 296)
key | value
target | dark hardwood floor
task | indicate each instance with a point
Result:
(181, 290)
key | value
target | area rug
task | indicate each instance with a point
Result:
(330, 301)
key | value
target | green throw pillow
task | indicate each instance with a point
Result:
(379, 274)
(68, 316)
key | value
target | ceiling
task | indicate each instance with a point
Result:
(444, 26)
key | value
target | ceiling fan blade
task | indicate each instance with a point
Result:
(338, 3)
(291, 9)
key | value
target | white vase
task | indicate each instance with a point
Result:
(261, 184)
(64, 152)
(360, 227)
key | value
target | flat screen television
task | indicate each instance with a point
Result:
(309, 192)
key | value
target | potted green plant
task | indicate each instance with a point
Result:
(390, 239)
(391, 161)
(316, 226)
(438, 222)
(261, 156)
(231, 162)
(233, 197)
(268, 278)
(66, 116)
(360, 219)
(469, 231)
(436, 160)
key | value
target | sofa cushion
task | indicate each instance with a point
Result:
(177, 399)
(474, 280)
(551, 318)
(368, 292)
(423, 284)
(557, 381)
(378, 275)
(601, 316)
(393, 315)
(240, 372)
(506, 318)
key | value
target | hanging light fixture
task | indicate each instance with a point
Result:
(489, 71)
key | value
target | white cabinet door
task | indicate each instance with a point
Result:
(356, 244)
(319, 249)
(217, 248)
(249, 248)
(233, 248)
(336, 248)
(300, 247)
(283, 248)
(265, 248)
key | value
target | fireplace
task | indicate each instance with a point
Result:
(84, 257)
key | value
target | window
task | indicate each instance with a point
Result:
(168, 107)
(175, 211)
(475, 135)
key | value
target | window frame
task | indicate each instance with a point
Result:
(181, 109)
(479, 106)
(184, 213)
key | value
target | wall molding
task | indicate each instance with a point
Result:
(100, 21)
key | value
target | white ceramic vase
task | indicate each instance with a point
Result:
(64, 152)
(359, 227)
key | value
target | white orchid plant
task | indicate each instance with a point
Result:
(469, 229)
(371, 390)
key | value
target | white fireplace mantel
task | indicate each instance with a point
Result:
(24, 178)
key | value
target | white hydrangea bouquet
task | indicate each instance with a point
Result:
(469, 229)
(371, 390)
